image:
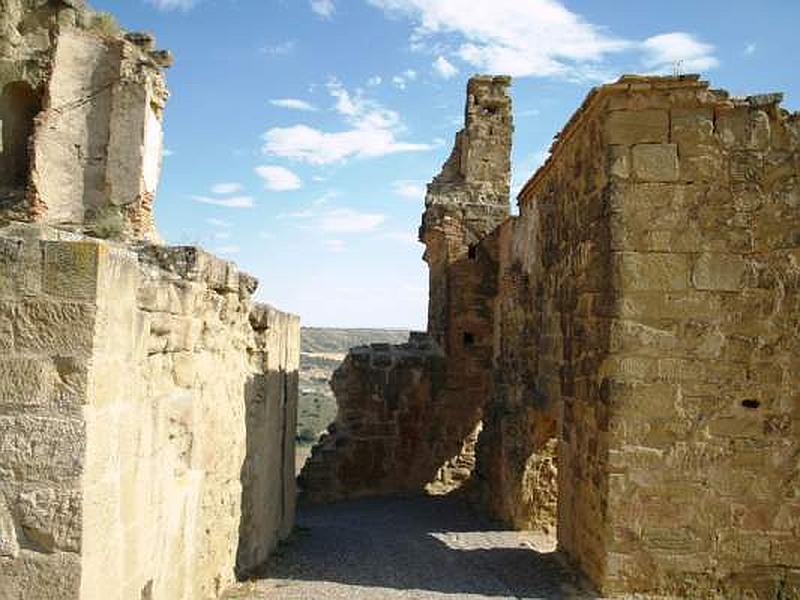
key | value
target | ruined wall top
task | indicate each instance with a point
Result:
(81, 105)
(649, 92)
(482, 153)
(474, 183)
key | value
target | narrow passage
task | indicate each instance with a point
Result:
(425, 547)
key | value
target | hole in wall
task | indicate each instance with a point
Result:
(19, 105)
(472, 252)
(469, 339)
(751, 404)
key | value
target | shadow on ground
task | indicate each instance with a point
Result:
(423, 547)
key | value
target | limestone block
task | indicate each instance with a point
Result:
(25, 382)
(9, 547)
(10, 266)
(652, 271)
(655, 162)
(51, 519)
(630, 127)
(55, 327)
(721, 272)
(619, 161)
(71, 269)
(55, 576)
(40, 449)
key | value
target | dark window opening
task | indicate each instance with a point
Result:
(19, 105)
(472, 252)
(469, 339)
(751, 403)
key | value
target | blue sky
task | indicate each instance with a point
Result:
(301, 133)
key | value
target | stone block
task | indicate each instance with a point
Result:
(71, 269)
(630, 127)
(50, 519)
(652, 271)
(53, 327)
(655, 162)
(25, 382)
(40, 449)
(55, 576)
(9, 546)
(719, 272)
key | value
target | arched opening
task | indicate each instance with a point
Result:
(19, 105)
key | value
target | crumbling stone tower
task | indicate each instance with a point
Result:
(81, 114)
(465, 202)
(408, 414)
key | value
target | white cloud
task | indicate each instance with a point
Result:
(278, 179)
(534, 37)
(218, 223)
(337, 220)
(281, 49)
(173, 4)
(227, 188)
(228, 202)
(399, 82)
(410, 74)
(445, 68)
(680, 51)
(334, 245)
(750, 49)
(293, 104)
(541, 38)
(227, 250)
(412, 190)
(167, 152)
(373, 131)
(348, 220)
(374, 80)
(324, 8)
(401, 236)
(221, 235)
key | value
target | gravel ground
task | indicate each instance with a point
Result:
(427, 547)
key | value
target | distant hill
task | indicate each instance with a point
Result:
(322, 350)
(323, 339)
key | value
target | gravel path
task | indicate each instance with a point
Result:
(428, 547)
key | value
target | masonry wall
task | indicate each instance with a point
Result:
(661, 244)
(163, 412)
(705, 221)
(516, 476)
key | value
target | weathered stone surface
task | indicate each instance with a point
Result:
(88, 159)
(120, 382)
(675, 447)
(655, 162)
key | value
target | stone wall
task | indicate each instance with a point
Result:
(409, 415)
(661, 240)
(148, 410)
(147, 405)
(516, 470)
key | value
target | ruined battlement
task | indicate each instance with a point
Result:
(470, 196)
(81, 104)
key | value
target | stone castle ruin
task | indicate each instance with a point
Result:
(147, 404)
(619, 363)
